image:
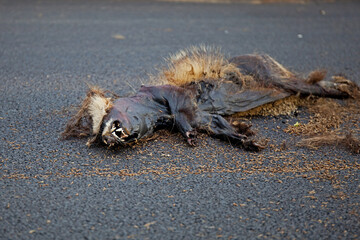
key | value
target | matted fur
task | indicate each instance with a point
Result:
(285, 106)
(87, 120)
(347, 140)
(197, 63)
(316, 76)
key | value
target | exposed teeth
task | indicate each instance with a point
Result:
(116, 136)
(123, 134)
(119, 130)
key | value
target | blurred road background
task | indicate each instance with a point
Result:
(162, 189)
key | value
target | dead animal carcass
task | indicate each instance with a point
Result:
(193, 93)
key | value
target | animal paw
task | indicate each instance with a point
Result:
(346, 86)
(191, 138)
(252, 145)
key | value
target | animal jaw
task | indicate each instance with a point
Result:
(113, 133)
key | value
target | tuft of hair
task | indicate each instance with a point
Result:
(87, 120)
(347, 140)
(197, 63)
(316, 76)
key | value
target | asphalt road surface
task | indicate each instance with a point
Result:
(162, 189)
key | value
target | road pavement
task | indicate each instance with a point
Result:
(162, 189)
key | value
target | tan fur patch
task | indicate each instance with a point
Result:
(97, 109)
(195, 64)
(87, 120)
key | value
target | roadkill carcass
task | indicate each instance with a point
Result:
(197, 89)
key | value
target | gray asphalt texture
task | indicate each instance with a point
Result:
(163, 189)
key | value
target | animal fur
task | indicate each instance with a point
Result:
(348, 141)
(195, 64)
(199, 87)
(89, 117)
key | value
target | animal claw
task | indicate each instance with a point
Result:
(191, 138)
(191, 142)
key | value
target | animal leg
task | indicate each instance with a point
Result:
(180, 106)
(183, 125)
(217, 126)
(269, 73)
